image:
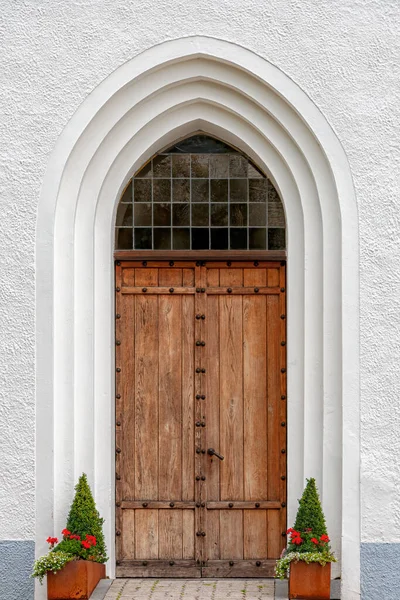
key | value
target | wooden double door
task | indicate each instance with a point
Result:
(200, 418)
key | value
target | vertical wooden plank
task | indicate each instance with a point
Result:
(274, 450)
(171, 276)
(146, 540)
(188, 408)
(170, 534)
(283, 400)
(212, 412)
(188, 277)
(231, 534)
(273, 277)
(254, 534)
(188, 536)
(231, 395)
(170, 398)
(146, 410)
(255, 397)
(128, 537)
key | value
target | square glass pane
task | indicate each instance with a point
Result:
(123, 239)
(161, 190)
(238, 215)
(145, 171)
(200, 191)
(162, 166)
(238, 190)
(258, 238)
(142, 190)
(161, 214)
(181, 238)
(124, 215)
(237, 165)
(200, 239)
(273, 195)
(219, 239)
(219, 214)
(127, 195)
(162, 238)
(238, 238)
(142, 238)
(258, 215)
(219, 190)
(199, 167)
(181, 190)
(143, 214)
(276, 239)
(200, 215)
(181, 165)
(258, 190)
(219, 166)
(181, 214)
(276, 215)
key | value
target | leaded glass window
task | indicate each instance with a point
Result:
(200, 194)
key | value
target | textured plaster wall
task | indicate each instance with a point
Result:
(345, 55)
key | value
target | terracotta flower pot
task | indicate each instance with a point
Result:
(309, 582)
(76, 580)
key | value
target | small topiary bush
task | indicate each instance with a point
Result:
(309, 540)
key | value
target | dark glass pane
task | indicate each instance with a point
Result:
(162, 214)
(273, 195)
(219, 214)
(219, 239)
(143, 214)
(181, 214)
(199, 165)
(201, 144)
(219, 166)
(123, 239)
(253, 171)
(162, 238)
(276, 239)
(142, 190)
(145, 171)
(238, 239)
(200, 190)
(162, 166)
(181, 239)
(258, 190)
(237, 166)
(258, 214)
(180, 166)
(219, 190)
(238, 190)
(161, 190)
(200, 214)
(124, 215)
(258, 239)
(238, 214)
(127, 195)
(276, 215)
(200, 239)
(181, 190)
(142, 238)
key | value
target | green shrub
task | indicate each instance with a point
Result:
(309, 513)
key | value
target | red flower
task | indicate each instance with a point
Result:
(91, 539)
(297, 540)
(73, 536)
(66, 532)
(325, 538)
(52, 541)
(290, 530)
(85, 544)
(315, 541)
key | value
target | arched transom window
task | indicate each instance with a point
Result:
(200, 194)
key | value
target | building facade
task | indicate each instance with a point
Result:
(307, 94)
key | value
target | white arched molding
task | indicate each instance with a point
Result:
(170, 91)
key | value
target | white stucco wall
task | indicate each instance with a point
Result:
(343, 56)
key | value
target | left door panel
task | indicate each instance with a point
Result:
(155, 421)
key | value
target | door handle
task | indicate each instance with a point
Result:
(212, 452)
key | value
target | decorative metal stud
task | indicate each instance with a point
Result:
(118, 477)
(203, 317)
(118, 343)
(283, 504)
(117, 316)
(145, 563)
(203, 397)
(118, 504)
(118, 450)
(203, 423)
(229, 263)
(283, 316)
(144, 290)
(203, 344)
(283, 451)
(203, 533)
(283, 533)
(171, 562)
(198, 263)
(118, 263)
(283, 477)
(198, 423)
(203, 370)
(256, 263)
(117, 562)
(203, 263)
(171, 263)
(198, 396)
(198, 317)
(283, 397)
(203, 290)
(118, 532)
(198, 290)
(283, 370)
(229, 290)
(171, 290)
(172, 504)
(203, 451)
(230, 505)
(118, 369)
(197, 477)
(231, 563)
(283, 343)
(198, 504)
(258, 563)
(256, 290)
(257, 505)
(118, 396)
(144, 504)
(117, 289)
(144, 263)
(198, 533)
(283, 263)
(198, 343)
(198, 450)
(118, 423)
(198, 370)
(283, 423)
(203, 504)
(203, 478)
(282, 289)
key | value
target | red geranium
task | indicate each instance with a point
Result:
(73, 536)
(325, 538)
(85, 544)
(91, 539)
(315, 541)
(66, 532)
(52, 541)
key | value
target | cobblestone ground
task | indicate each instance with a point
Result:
(191, 589)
